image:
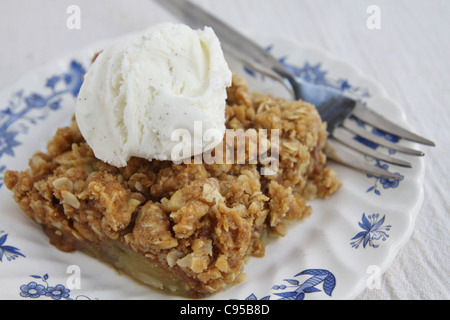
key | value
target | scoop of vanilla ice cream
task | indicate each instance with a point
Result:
(144, 87)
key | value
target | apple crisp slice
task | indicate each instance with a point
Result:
(184, 228)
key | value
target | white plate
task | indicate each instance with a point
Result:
(345, 245)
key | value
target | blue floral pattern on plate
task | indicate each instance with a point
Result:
(7, 251)
(385, 183)
(36, 290)
(373, 231)
(296, 290)
(27, 109)
(2, 170)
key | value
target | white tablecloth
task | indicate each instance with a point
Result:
(409, 56)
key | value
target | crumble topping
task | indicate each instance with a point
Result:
(197, 221)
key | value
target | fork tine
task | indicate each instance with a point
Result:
(344, 136)
(337, 152)
(353, 127)
(365, 114)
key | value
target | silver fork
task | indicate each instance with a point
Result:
(340, 112)
(337, 110)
